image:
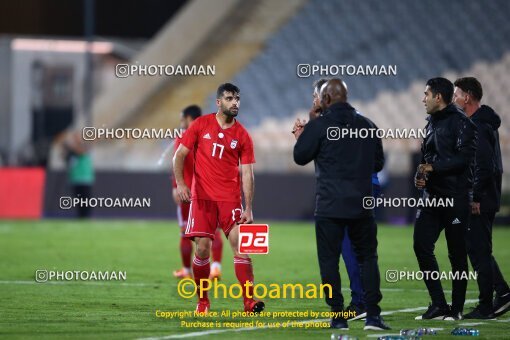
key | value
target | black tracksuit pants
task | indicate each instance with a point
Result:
(363, 234)
(479, 247)
(428, 226)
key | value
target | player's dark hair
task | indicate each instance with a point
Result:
(227, 87)
(442, 86)
(471, 86)
(318, 84)
(193, 111)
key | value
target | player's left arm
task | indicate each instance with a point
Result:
(248, 191)
(247, 159)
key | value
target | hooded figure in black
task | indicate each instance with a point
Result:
(488, 165)
(488, 171)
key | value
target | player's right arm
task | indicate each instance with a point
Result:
(188, 142)
(183, 191)
(175, 195)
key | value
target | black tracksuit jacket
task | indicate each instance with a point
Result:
(450, 146)
(343, 167)
(488, 163)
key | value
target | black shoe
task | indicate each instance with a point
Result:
(453, 316)
(501, 304)
(375, 323)
(434, 313)
(339, 323)
(476, 313)
(356, 312)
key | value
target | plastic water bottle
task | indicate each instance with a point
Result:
(418, 332)
(342, 337)
(465, 331)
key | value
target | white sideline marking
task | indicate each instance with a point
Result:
(395, 334)
(481, 323)
(217, 331)
(406, 310)
(93, 283)
(471, 323)
(382, 334)
(142, 284)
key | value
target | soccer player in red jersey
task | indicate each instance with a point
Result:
(188, 115)
(220, 144)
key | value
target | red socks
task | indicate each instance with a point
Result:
(244, 272)
(217, 247)
(186, 247)
(201, 270)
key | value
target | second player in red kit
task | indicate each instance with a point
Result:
(220, 146)
(188, 116)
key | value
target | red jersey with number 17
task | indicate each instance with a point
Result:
(218, 153)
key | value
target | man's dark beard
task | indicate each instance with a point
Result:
(229, 113)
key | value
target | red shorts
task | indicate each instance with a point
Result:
(206, 216)
(182, 214)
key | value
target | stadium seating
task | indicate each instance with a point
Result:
(423, 40)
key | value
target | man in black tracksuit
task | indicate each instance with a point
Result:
(448, 152)
(343, 169)
(486, 200)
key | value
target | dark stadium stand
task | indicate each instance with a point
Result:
(407, 36)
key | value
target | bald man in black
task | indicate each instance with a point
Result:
(343, 168)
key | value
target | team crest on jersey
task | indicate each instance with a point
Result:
(233, 143)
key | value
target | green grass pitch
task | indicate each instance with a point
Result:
(148, 252)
